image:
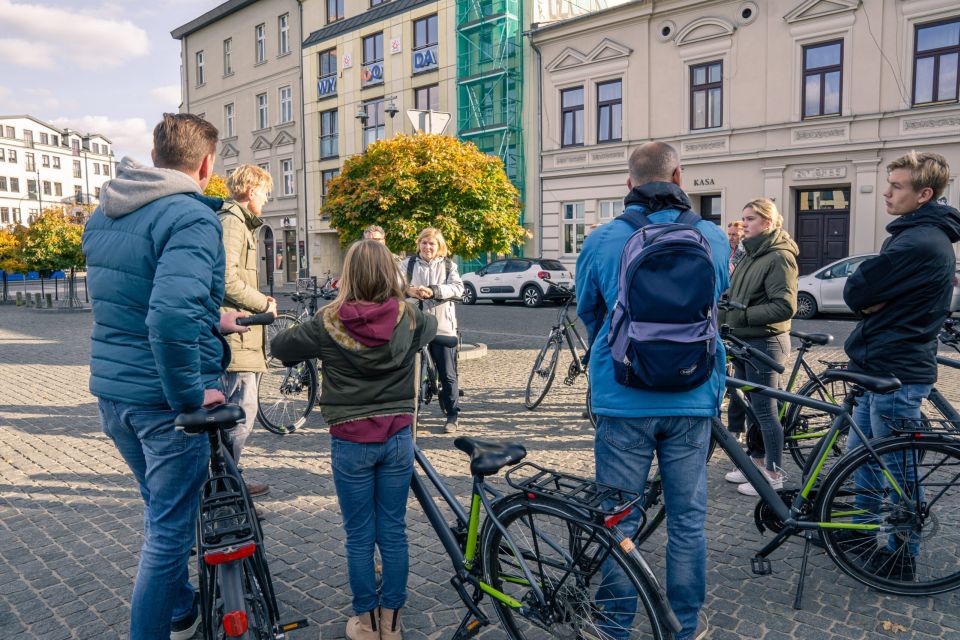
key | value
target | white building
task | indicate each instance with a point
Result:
(42, 166)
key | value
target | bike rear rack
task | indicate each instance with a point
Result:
(580, 492)
(921, 426)
(226, 518)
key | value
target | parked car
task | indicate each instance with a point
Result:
(527, 279)
(822, 290)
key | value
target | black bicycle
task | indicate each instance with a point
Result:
(237, 598)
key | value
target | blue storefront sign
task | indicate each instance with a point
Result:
(371, 74)
(327, 87)
(425, 59)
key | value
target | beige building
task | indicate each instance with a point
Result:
(365, 64)
(240, 69)
(802, 101)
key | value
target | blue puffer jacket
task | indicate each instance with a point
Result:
(155, 266)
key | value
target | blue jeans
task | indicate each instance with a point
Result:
(372, 481)
(870, 414)
(170, 468)
(623, 451)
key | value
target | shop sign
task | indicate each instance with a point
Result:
(425, 59)
(326, 86)
(371, 74)
(703, 182)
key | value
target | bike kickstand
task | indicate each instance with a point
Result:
(469, 627)
(807, 540)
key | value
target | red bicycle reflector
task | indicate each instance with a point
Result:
(229, 554)
(532, 496)
(612, 521)
(235, 623)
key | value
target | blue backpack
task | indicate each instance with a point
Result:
(663, 329)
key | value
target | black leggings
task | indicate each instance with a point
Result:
(443, 350)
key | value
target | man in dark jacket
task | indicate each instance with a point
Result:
(155, 267)
(903, 296)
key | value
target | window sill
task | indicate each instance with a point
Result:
(200, 86)
(287, 197)
(261, 63)
(578, 145)
(285, 125)
(323, 158)
(284, 55)
(260, 131)
(610, 141)
(228, 75)
(232, 138)
(827, 116)
(940, 103)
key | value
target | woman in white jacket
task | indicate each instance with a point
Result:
(433, 279)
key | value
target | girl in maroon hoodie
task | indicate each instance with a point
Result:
(367, 340)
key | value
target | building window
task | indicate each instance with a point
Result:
(106, 169)
(935, 60)
(15, 185)
(710, 209)
(375, 126)
(425, 32)
(374, 3)
(96, 192)
(822, 78)
(56, 162)
(96, 148)
(571, 115)
(287, 177)
(706, 95)
(76, 169)
(11, 132)
(334, 10)
(44, 138)
(427, 98)
(57, 189)
(201, 75)
(266, 167)
(329, 140)
(28, 137)
(227, 55)
(286, 105)
(263, 119)
(78, 193)
(45, 160)
(3, 183)
(260, 31)
(12, 155)
(32, 188)
(5, 215)
(609, 209)
(75, 147)
(327, 82)
(283, 28)
(372, 72)
(31, 161)
(3, 154)
(325, 178)
(228, 120)
(47, 188)
(610, 111)
(572, 227)
(96, 168)
(55, 141)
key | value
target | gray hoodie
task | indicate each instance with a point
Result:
(137, 185)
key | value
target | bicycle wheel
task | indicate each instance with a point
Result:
(907, 545)
(803, 427)
(565, 557)
(591, 416)
(286, 395)
(543, 372)
(282, 322)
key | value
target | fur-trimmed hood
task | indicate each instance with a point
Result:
(372, 358)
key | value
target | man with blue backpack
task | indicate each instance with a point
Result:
(647, 290)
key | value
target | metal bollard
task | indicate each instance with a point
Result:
(20, 300)
(49, 301)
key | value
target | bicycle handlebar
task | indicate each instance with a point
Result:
(257, 319)
(740, 350)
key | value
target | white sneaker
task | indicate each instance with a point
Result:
(748, 489)
(736, 476)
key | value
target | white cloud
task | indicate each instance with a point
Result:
(168, 96)
(130, 136)
(53, 35)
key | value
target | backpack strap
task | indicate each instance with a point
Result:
(635, 217)
(689, 217)
(448, 266)
(410, 264)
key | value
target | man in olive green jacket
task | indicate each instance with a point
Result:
(240, 218)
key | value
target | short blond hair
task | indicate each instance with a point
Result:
(766, 209)
(926, 170)
(436, 234)
(248, 176)
(736, 224)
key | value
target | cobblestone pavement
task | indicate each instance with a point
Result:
(70, 514)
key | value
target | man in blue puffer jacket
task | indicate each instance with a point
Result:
(155, 268)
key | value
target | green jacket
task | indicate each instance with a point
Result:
(765, 281)
(240, 285)
(359, 381)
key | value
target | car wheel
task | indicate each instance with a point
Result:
(532, 296)
(469, 294)
(806, 306)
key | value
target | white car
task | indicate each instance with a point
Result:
(822, 290)
(527, 279)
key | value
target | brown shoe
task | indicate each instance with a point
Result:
(257, 489)
(390, 624)
(363, 627)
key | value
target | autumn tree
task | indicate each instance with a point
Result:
(11, 254)
(53, 243)
(410, 182)
(217, 187)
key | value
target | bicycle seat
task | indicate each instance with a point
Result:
(487, 458)
(224, 416)
(876, 384)
(813, 338)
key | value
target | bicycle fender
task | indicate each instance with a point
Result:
(629, 548)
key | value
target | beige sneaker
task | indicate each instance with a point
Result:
(390, 624)
(363, 627)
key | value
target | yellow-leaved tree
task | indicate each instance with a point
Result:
(217, 187)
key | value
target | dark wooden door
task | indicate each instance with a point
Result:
(822, 232)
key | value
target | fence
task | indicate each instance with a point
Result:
(58, 285)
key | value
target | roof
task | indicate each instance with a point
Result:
(62, 130)
(370, 16)
(218, 12)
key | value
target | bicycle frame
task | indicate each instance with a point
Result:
(565, 326)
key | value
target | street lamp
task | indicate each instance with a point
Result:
(362, 116)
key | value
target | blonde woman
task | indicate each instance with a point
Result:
(434, 281)
(367, 340)
(766, 282)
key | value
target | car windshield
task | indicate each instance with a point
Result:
(552, 265)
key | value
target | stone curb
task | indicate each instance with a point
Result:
(472, 351)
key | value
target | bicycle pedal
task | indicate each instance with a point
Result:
(469, 627)
(760, 566)
(286, 627)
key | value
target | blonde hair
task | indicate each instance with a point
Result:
(433, 232)
(370, 274)
(736, 224)
(766, 209)
(374, 228)
(926, 170)
(248, 176)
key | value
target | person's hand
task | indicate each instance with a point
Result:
(426, 292)
(414, 292)
(228, 322)
(271, 306)
(874, 308)
(212, 397)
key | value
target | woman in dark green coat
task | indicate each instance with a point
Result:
(765, 281)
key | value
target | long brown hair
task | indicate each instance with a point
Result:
(370, 274)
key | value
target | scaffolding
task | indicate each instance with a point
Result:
(490, 84)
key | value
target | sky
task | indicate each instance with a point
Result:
(97, 66)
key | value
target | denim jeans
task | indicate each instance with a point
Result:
(170, 468)
(870, 414)
(623, 450)
(240, 387)
(372, 481)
